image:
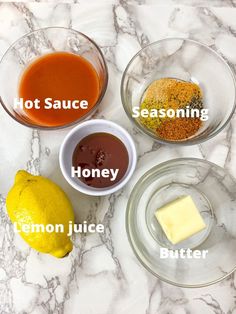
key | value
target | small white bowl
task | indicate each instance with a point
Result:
(76, 135)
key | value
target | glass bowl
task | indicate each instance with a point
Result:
(213, 190)
(38, 43)
(186, 60)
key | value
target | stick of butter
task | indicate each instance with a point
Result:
(180, 219)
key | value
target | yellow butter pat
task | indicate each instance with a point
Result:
(180, 219)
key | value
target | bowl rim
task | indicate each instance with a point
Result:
(128, 209)
(110, 189)
(190, 141)
(89, 113)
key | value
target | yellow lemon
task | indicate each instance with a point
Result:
(38, 202)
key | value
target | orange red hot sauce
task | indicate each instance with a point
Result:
(65, 85)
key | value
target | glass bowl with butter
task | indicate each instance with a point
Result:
(180, 222)
(178, 91)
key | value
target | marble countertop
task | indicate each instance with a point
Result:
(102, 275)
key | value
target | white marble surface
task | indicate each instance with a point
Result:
(194, 3)
(102, 275)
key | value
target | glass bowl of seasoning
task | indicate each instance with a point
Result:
(58, 78)
(180, 222)
(178, 91)
(98, 157)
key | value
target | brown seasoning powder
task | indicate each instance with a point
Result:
(179, 128)
(168, 93)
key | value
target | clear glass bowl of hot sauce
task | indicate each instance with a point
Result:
(52, 78)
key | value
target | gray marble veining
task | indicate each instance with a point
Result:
(102, 275)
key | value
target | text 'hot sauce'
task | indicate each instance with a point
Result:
(64, 78)
(100, 160)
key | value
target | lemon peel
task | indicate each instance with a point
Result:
(38, 200)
